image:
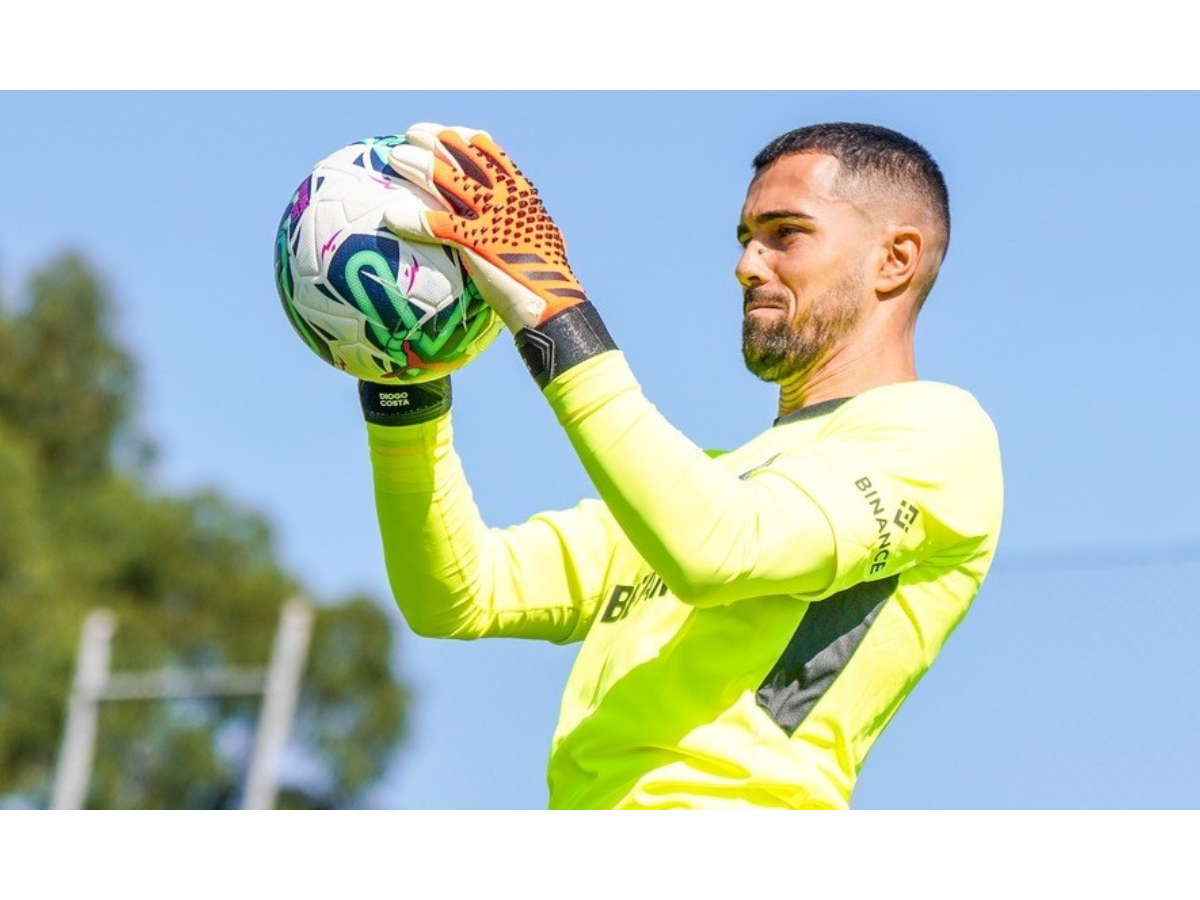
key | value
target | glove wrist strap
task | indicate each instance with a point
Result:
(404, 404)
(564, 340)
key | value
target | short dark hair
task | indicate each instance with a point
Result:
(870, 152)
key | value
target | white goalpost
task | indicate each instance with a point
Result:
(278, 683)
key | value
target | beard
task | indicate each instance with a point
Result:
(778, 349)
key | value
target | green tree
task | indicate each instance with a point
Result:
(192, 580)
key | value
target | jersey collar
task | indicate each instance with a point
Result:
(811, 412)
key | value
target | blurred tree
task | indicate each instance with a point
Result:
(193, 583)
(66, 384)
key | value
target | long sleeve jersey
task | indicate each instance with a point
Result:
(749, 621)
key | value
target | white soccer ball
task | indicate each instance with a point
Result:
(374, 305)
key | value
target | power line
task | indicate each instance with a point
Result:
(1081, 559)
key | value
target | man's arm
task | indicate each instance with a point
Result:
(712, 537)
(452, 576)
(902, 475)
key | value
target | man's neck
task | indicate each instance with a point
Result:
(846, 372)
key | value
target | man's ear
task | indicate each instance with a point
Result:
(900, 260)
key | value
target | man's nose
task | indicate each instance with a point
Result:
(751, 268)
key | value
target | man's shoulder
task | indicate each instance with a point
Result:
(905, 415)
(925, 425)
(931, 405)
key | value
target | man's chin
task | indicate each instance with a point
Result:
(760, 371)
(767, 364)
(767, 348)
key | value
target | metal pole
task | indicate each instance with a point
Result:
(279, 704)
(79, 737)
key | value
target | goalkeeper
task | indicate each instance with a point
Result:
(748, 622)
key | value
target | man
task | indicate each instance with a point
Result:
(749, 622)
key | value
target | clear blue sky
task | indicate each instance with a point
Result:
(1068, 305)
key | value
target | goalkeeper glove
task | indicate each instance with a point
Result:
(511, 247)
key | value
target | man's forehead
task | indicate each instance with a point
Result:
(793, 181)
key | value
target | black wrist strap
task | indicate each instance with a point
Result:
(564, 340)
(404, 404)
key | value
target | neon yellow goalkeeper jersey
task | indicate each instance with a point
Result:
(749, 622)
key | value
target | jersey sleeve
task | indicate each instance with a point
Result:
(903, 478)
(807, 523)
(453, 576)
(712, 537)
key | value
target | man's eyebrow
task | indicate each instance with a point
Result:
(773, 215)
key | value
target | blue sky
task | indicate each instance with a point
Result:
(1068, 305)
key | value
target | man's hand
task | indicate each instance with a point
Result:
(511, 247)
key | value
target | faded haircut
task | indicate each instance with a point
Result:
(875, 156)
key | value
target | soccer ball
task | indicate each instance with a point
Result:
(371, 304)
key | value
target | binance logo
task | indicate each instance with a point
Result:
(905, 515)
(625, 597)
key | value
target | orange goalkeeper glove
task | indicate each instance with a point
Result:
(511, 247)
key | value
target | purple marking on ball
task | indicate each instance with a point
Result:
(412, 275)
(303, 195)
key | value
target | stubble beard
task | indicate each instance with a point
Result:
(776, 349)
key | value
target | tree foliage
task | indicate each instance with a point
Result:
(192, 580)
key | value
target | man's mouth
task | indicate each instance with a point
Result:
(755, 301)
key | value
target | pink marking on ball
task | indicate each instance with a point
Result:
(328, 245)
